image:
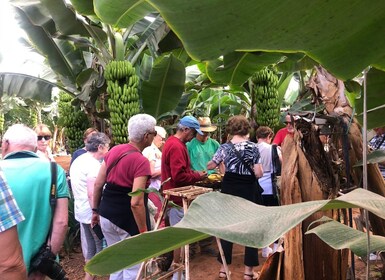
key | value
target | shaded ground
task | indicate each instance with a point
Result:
(206, 267)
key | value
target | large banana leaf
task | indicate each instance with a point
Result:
(237, 67)
(164, 89)
(339, 236)
(230, 218)
(25, 86)
(61, 14)
(45, 43)
(336, 36)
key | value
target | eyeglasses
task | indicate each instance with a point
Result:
(286, 123)
(45, 137)
(153, 133)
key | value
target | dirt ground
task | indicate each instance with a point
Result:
(203, 267)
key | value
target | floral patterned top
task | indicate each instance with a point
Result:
(248, 151)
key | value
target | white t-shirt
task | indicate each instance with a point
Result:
(154, 154)
(83, 168)
(265, 181)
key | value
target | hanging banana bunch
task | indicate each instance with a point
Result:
(34, 117)
(123, 99)
(74, 121)
(1, 122)
(265, 85)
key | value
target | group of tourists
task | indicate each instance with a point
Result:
(36, 191)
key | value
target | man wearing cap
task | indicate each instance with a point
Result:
(202, 148)
(176, 165)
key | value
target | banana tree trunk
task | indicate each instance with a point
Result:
(311, 173)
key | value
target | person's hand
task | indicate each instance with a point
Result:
(36, 275)
(95, 219)
(203, 174)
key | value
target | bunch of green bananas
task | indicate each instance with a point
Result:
(73, 120)
(266, 97)
(1, 123)
(123, 97)
(34, 118)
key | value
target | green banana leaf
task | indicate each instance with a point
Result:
(60, 14)
(339, 236)
(84, 7)
(375, 100)
(26, 86)
(296, 62)
(376, 156)
(336, 36)
(237, 67)
(164, 89)
(227, 217)
(122, 13)
(46, 44)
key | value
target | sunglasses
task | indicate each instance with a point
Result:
(287, 123)
(45, 137)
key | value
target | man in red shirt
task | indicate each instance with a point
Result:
(283, 132)
(176, 165)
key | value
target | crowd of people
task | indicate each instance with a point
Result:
(34, 191)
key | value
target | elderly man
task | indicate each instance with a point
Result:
(201, 150)
(283, 132)
(29, 178)
(11, 257)
(176, 166)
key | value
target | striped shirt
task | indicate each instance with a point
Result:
(10, 214)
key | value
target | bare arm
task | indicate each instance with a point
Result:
(137, 203)
(11, 257)
(211, 165)
(97, 194)
(90, 190)
(59, 225)
(154, 173)
(258, 170)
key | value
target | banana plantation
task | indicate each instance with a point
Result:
(107, 60)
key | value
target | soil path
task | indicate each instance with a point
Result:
(203, 267)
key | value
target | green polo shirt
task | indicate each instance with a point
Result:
(201, 153)
(29, 178)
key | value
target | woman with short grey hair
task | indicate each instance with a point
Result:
(139, 125)
(95, 140)
(84, 170)
(125, 170)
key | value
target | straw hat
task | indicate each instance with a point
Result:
(205, 124)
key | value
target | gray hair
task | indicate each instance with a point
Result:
(181, 127)
(96, 139)
(22, 135)
(140, 124)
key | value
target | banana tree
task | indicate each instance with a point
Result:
(291, 30)
(77, 49)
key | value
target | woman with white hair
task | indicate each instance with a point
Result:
(124, 170)
(84, 170)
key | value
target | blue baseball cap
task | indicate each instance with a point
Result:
(191, 122)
